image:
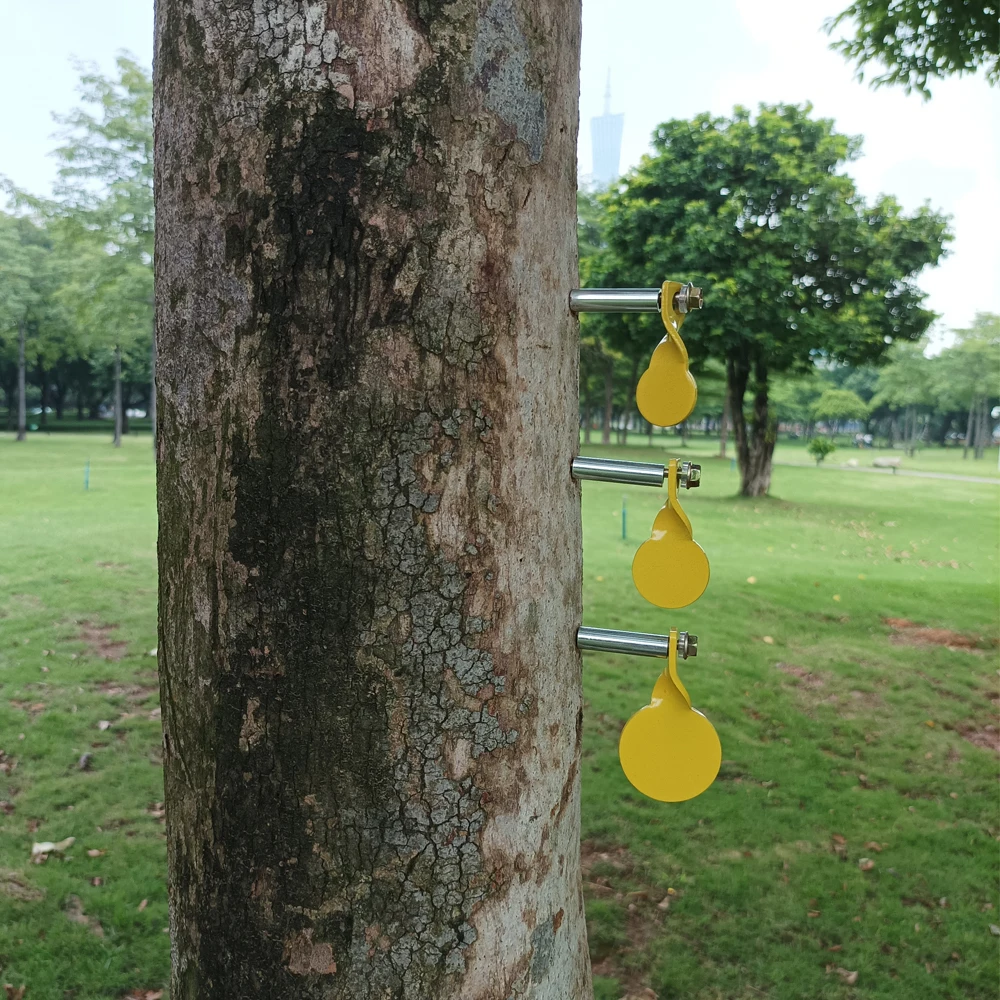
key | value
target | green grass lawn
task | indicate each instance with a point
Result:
(840, 740)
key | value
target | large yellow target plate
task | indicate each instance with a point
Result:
(668, 750)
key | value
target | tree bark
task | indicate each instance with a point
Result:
(22, 406)
(754, 445)
(118, 397)
(369, 541)
(609, 398)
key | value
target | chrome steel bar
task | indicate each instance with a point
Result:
(611, 470)
(617, 300)
(609, 640)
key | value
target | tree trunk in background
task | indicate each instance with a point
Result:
(22, 406)
(369, 540)
(629, 401)
(724, 426)
(609, 396)
(968, 428)
(982, 426)
(118, 397)
(43, 385)
(754, 445)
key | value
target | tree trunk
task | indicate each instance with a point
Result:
(609, 396)
(982, 427)
(118, 397)
(633, 381)
(366, 233)
(754, 445)
(22, 405)
(43, 386)
(968, 428)
(724, 425)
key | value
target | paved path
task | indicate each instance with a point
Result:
(898, 472)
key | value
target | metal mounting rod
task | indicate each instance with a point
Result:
(613, 470)
(610, 640)
(631, 300)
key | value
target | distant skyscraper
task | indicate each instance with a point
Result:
(606, 140)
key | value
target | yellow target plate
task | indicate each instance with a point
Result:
(667, 391)
(670, 569)
(668, 750)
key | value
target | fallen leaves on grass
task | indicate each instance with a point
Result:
(143, 905)
(873, 845)
(7, 807)
(847, 975)
(14, 994)
(156, 810)
(7, 763)
(866, 864)
(144, 995)
(994, 930)
(74, 911)
(95, 853)
(103, 724)
(85, 761)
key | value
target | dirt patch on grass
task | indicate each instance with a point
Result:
(612, 874)
(15, 886)
(987, 737)
(133, 692)
(600, 863)
(807, 677)
(907, 633)
(100, 641)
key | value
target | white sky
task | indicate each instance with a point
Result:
(668, 59)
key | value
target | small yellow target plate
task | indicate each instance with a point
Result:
(670, 569)
(668, 750)
(667, 392)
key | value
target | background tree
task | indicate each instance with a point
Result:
(906, 385)
(368, 408)
(968, 377)
(916, 40)
(30, 312)
(837, 406)
(795, 265)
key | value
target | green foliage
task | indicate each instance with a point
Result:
(793, 261)
(907, 380)
(840, 404)
(820, 447)
(916, 40)
(970, 369)
(793, 396)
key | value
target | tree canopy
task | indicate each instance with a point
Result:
(916, 40)
(796, 265)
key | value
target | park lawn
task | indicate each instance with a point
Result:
(828, 759)
(839, 744)
(793, 452)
